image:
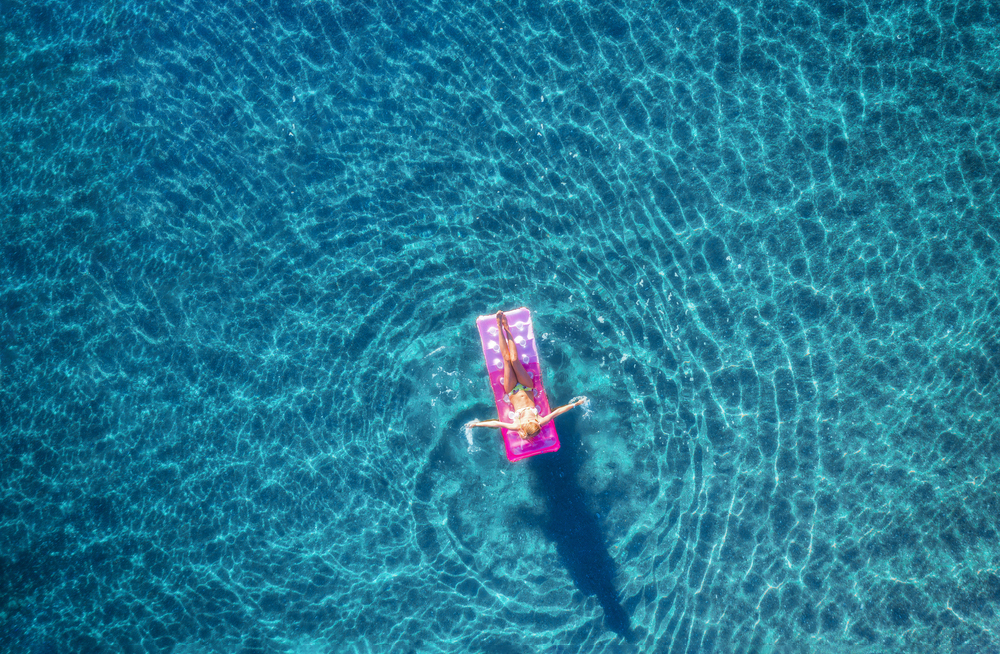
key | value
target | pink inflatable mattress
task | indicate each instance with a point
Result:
(524, 334)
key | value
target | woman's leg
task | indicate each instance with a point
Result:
(509, 376)
(513, 369)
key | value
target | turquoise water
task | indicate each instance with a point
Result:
(244, 247)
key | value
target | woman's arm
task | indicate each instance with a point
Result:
(561, 410)
(491, 423)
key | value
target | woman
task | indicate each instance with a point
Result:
(518, 385)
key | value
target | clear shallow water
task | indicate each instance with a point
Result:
(243, 252)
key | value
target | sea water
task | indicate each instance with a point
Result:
(244, 246)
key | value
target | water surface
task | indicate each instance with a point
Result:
(244, 246)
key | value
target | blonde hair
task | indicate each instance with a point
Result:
(531, 428)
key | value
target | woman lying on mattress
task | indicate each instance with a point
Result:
(517, 383)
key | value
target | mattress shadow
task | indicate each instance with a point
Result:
(571, 523)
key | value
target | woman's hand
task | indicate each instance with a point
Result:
(580, 401)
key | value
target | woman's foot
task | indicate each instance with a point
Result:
(501, 319)
(505, 326)
(512, 355)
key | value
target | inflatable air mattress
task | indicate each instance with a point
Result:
(524, 335)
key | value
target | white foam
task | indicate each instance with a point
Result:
(468, 437)
(433, 352)
(585, 406)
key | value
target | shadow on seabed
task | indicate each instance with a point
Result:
(573, 526)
